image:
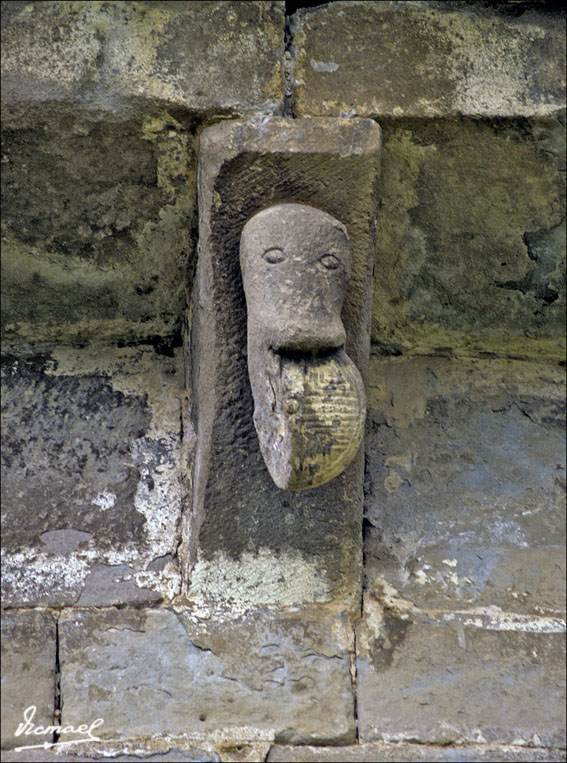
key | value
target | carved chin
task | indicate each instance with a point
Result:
(309, 415)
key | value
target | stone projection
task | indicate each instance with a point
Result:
(280, 330)
(309, 398)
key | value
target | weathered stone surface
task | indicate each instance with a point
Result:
(28, 671)
(377, 59)
(251, 541)
(97, 228)
(382, 752)
(282, 676)
(309, 399)
(189, 755)
(465, 483)
(208, 57)
(451, 678)
(470, 254)
(99, 111)
(92, 483)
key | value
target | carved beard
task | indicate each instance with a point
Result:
(309, 413)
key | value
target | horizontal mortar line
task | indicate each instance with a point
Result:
(316, 424)
(501, 621)
(456, 745)
(329, 412)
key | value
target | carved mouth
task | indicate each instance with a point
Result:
(309, 414)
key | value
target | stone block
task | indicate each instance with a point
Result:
(206, 57)
(383, 752)
(92, 485)
(251, 541)
(97, 229)
(265, 676)
(446, 679)
(28, 672)
(377, 59)
(100, 104)
(465, 484)
(470, 247)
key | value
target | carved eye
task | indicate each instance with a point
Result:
(330, 262)
(274, 255)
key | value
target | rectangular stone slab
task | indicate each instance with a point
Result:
(251, 541)
(465, 483)
(454, 677)
(267, 675)
(91, 497)
(28, 673)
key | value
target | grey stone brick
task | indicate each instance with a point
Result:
(28, 673)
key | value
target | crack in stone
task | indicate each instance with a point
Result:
(57, 687)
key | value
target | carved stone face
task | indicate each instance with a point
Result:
(309, 402)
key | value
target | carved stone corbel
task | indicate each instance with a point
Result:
(279, 344)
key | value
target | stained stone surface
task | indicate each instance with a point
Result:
(250, 540)
(97, 228)
(465, 483)
(416, 59)
(442, 679)
(28, 672)
(470, 248)
(206, 57)
(92, 485)
(284, 675)
(100, 104)
(381, 752)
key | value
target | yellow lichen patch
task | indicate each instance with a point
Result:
(274, 86)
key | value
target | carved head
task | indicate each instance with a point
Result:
(309, 402)
(296, 262)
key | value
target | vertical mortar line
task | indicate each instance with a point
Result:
(185, 477)
(288, 67)
(354, 669)
(57, 687)
(187, 432)
(354, 685)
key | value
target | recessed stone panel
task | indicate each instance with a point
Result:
(250, 540)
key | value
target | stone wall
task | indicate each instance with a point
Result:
(457, 652)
